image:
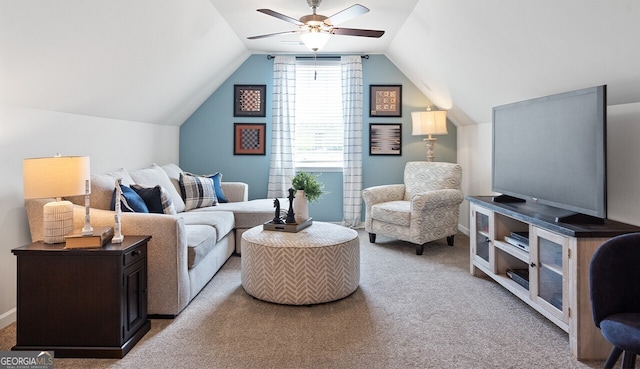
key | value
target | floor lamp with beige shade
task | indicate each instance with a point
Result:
(429, 122)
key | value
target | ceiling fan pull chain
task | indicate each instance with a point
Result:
(315, 66)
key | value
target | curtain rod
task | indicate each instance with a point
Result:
(269, 57)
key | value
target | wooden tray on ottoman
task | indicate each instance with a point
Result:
(290, 227)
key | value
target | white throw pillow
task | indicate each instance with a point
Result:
(155, 175)
(102, 186)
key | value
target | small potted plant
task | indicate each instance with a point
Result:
(308, 189)
(308, 183)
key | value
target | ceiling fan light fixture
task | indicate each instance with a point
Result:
(315, 29)
(315, 39)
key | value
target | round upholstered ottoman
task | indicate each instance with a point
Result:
(320, 263)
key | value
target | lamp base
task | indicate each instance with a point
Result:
(58, 221)
(430, 143)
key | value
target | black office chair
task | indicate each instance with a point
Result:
(614, 275)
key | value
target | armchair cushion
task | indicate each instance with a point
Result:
(394, 212)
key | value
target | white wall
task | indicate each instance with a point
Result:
(474, 155)
(26, 133)
(623, 163)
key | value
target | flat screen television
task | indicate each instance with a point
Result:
(552, 150)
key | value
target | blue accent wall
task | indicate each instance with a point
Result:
(206, 138)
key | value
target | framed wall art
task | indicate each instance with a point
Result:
(249, 138)
(249, 100)
(385, 139)
(385, 100)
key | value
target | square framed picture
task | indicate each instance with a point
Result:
(385, 139)
(249, 138)
(385, 100)
(249, 100)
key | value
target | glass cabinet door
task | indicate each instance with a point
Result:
(549, 267)
(480, 235)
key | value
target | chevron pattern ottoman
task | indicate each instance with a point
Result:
(320, 263)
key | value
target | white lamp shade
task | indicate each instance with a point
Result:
(314, 39)
(55, 176)
(430, 122)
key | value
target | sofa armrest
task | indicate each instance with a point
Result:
(235, 191)
(167, 258)
(168, 279)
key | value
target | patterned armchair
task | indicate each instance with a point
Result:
(423, 209)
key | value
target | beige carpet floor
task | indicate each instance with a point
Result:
(409, 311)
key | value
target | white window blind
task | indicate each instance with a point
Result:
(318, 117)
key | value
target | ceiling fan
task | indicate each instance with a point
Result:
(315, 29)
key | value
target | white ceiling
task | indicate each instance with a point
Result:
(157, 61)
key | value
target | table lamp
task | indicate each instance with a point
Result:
(57, 176)
(429, 122)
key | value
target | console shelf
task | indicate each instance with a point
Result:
(557, 262)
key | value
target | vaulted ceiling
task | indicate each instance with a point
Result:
(157, 61)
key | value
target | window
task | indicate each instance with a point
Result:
(318, 117)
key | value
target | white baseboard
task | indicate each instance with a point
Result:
(463, 229)
(7, 318)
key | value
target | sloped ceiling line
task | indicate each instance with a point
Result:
(156, 62)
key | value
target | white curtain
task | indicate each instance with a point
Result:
(352, 101)
(281, 168)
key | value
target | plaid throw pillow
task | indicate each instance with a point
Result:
(217, 186)
(197, 191)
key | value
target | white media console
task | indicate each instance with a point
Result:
(557, 264)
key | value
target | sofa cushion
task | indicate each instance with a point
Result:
(156, 198)
(130, 202)
(222, 221)
(173, 172)
(197, 191)
(201, 239)
(394, 212)
(155, 175)
(102, 186)
(247, 213)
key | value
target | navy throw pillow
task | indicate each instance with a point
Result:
(217, 178)
(151, 197)
(130, 202)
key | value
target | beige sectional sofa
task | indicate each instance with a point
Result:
(186, 248)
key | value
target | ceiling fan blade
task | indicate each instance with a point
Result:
(346, 14)
(271, 35)
(281, 16)
(357, 32)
